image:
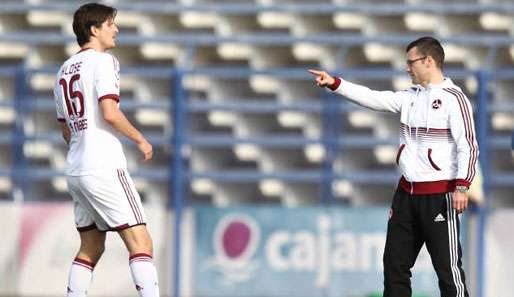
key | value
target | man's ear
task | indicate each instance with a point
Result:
(430, 61)
(93, 30)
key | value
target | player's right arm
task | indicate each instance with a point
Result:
(361, 95)
(115, 117)
(66, 133)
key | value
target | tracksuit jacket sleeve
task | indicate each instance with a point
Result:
(364, 96)
(463, 132)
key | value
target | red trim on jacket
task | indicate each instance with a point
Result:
(400, 150)
(335, 85)
(431, 187)
(468, 129)
(462, 182)
(434, 165)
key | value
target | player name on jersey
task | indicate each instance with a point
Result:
(79, 125)
(71, 69)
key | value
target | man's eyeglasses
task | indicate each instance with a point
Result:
(410, 62)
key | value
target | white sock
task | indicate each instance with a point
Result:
(79, 279)
(144, 275)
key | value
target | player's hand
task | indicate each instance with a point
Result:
(460, 201)
(146, 148)
(323, 79)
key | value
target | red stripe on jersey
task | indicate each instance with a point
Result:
(110, 96)
(83, 49)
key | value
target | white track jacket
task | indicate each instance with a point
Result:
(438, 148)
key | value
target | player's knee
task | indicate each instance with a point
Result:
(93, 251)
(99, 250)
(138, 240)
(142, 245)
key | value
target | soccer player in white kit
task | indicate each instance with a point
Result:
(105, 199)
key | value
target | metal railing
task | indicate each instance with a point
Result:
(181, 107)
(169, 7)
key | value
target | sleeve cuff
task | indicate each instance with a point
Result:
(335, 85)
(114, 97)
(61, 120)
(462, 182)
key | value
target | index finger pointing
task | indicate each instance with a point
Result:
(315, 72)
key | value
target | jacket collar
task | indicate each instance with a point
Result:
(446, 83)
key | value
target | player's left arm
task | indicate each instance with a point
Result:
(463, 132)
(115, 117)
(66, 134)
(107, 84)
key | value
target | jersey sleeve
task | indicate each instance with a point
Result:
(376, 100)
(58, 103)
(463, 132)
(107, 78)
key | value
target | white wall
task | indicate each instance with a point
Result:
(39, 241)
(499, 258)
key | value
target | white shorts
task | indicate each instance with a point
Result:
(107, 201)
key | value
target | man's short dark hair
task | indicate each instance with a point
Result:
(91, 14)
(429, 46)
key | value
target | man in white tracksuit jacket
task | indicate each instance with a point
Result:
(437, 156)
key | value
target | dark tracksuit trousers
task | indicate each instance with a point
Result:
(415, 220)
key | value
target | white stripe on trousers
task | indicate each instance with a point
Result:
(454, 245)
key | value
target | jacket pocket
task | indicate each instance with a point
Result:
(400, 150)
(434, 165)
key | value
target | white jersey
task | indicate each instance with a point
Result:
(83, 81)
